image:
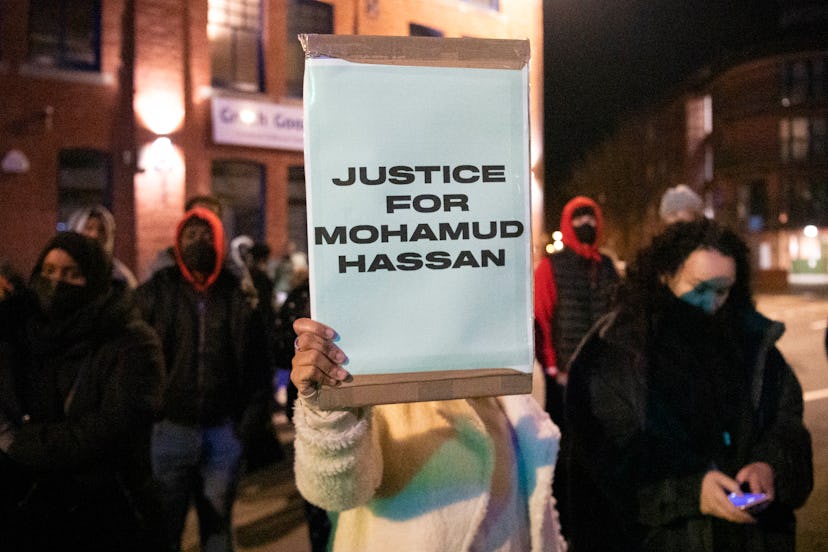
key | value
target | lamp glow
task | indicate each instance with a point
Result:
(161, 111)
(161, 154)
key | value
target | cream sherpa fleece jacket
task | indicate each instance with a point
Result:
(416, 477)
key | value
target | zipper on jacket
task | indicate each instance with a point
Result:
(202, 342)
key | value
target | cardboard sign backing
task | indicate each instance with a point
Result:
(417, 175)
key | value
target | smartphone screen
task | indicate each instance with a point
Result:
(747, 500)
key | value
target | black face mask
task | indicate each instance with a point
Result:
(59, 300)
(585, 233)
(199, 257)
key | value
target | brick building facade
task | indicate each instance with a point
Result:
(138, 105)
(748, 133)
(770, 164)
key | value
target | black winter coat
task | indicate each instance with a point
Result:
(215, 348)
(84, 393)
(647, 422)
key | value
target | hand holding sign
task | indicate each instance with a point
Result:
(318, 361)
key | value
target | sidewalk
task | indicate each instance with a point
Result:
(268, 513)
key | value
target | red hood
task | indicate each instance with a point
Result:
(569, 240)
(218, 244)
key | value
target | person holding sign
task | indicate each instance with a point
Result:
(681, 409)
(466, 474)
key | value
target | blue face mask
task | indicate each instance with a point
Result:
(708, 295)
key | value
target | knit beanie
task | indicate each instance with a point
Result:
(680, 198)
(92, 261)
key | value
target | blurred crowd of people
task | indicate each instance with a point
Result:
(124, 404)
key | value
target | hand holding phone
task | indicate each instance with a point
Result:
(749, 502)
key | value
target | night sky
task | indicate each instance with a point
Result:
(604, 59)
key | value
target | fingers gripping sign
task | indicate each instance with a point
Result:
(317, 360)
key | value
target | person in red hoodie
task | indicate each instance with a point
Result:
(218, 375)
(573, 289)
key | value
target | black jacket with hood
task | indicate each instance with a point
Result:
(214, 344)
(653, 408)
(83, 391)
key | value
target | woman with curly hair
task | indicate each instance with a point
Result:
(677, 399)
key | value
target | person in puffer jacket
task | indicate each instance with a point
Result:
(573, 289)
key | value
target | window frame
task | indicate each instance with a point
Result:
(294, 55)
(803, 139)
(95, 191)
(233, 17)
(226, 169)
(61, 56)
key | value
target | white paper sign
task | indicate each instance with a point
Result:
(419, 214)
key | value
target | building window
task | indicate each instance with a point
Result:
(807, 201)
(757, 206)
(65, 34)
(793, 138)
(234, 28)
(803, 80)
(421, 30)
(304, 17)
(708, 162)
(240, 185)
(297, 213)
(699, 115)
(84, 179)
(802, 139)
(818, 132)
(493, 5)
(818, 78)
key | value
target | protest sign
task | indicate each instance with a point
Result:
(417, 174)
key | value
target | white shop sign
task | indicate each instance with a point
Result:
(259, 124)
